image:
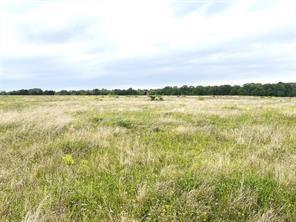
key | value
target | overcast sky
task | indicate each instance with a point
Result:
(72, 44)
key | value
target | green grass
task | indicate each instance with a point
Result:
(83, 158)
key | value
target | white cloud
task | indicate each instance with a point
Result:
(88, 36)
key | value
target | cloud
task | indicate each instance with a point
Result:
(56, 36)
(132, 43)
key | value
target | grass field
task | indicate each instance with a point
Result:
(131, 159)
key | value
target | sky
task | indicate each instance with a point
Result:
(86, 44)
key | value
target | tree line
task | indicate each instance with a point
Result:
(250, 89)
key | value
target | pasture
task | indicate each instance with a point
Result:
(108, 158)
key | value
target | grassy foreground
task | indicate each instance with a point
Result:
(131, 159)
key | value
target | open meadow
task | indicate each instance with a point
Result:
(110, 158)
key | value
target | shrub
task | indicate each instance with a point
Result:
(156, 98)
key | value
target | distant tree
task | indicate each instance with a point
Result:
(250, 89)
(49, 92)
(63, 92)
(35, 91)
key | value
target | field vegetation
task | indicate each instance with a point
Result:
(115, 158)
